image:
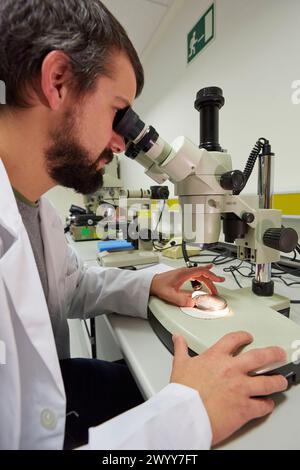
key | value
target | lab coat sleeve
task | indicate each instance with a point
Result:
(90, 291)
(173, 419)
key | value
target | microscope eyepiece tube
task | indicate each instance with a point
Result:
(208, 102)
(128, 124)
(138, 136)
(143, 143)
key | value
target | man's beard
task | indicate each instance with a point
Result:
(69, 163)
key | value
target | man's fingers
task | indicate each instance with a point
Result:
(200, 274)
(207, 266)
(267, 384)
(210, 275)
(209, 284)
(261, 407)
(180, 348)
(193, 273)
(257, 358)
(181, 297)
(231, 342)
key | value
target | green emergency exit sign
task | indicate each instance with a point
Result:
(201, 34)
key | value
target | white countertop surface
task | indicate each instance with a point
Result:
(151, 363)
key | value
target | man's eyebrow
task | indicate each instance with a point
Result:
(124, 100)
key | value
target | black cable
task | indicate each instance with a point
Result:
(166, 248)
(87, 329)
(213, 261)
(158, 222)
(225, 258)
(233, 269)
(186, 256)
(251, 162)
(288, 284)
(293, 271)
(234, 277)
(196, 284)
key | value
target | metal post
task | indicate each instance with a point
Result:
(265, 193)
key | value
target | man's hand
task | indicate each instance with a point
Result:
(167, 286)
(230, 395)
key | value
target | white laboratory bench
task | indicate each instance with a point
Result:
(150, 363)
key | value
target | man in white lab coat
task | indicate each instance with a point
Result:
(68, 66)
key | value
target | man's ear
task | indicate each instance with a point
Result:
(56, 79)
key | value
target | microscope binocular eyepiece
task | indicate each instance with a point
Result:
(143, 143)
(139, 137)
(128, 124)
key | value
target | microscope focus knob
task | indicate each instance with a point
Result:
(281, 239)
(248, 217)
(232, 180)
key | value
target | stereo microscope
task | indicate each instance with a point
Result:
(209, 195)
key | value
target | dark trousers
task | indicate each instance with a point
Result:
(96, 391)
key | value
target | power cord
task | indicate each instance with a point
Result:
(172, 245)
(233, 269)
(237, 269)
(158, 248)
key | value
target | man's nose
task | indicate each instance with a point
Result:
(117, 143)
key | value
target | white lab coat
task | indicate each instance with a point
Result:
(32, 405)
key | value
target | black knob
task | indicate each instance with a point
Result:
(248, 217)
(159, 192)
(77, 210)
(282, 239)
(211, 95)
(232, 180)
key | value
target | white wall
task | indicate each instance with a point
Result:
(254, 58)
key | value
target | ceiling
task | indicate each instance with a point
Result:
(140, 18)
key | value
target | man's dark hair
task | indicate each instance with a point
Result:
(83, 29)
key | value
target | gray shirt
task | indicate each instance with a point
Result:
(30, 214)
(31, 219)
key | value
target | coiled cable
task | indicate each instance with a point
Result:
(251, 161)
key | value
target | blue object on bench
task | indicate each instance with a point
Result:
(114, 245)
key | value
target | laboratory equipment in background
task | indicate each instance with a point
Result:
(209, 194)
(134, 219)
(82, 222)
